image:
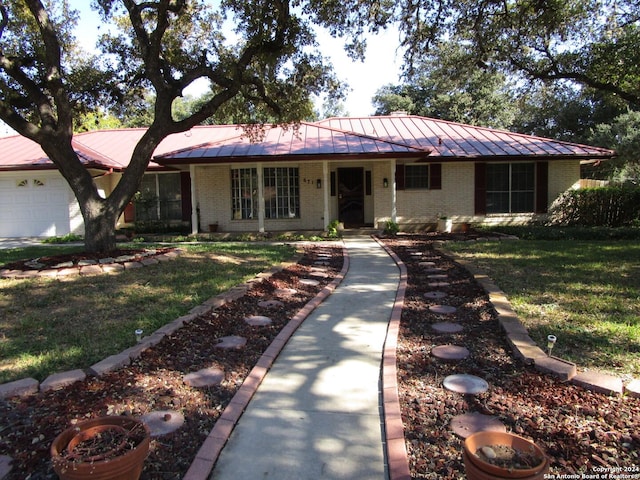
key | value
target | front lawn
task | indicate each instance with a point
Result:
(49, 325)
(586, 293)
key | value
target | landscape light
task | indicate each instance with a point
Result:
(551, 341)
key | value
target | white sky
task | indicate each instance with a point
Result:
(381, 66)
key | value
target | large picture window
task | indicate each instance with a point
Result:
(281, 192)
(244, 193)
(510, 187)
(159, 198)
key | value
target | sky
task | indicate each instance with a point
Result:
(381, 66)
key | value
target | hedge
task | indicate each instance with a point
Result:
(614, 206)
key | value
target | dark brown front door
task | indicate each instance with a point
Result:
(351, 197)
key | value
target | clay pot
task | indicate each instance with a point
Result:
(478, 469)
(120, 463)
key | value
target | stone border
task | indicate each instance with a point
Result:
(525, 348)
(30, 386)
(107, 265)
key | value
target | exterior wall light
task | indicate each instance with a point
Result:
(385, 182)
(318, 183)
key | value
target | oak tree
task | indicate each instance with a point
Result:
(159, 47)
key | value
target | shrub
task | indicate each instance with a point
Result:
(391, 228)
(332, 229)
(613, 206)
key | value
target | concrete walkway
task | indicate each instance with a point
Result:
(317, 414)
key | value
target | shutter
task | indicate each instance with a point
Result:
(185, 193)
(130, 213)
(480, 195)
(435, 176)
(399, 177)
(542, 186)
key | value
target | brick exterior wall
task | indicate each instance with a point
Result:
(415, 208)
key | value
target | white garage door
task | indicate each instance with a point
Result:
(34, 205)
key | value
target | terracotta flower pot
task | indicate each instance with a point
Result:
(479, 469)
(121, 460)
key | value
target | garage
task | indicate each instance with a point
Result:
(37, 204)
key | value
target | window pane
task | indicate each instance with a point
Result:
(522, 177)
(146, 201)
(170, 196)
(416, 176)
(244, 193)
(281, 193)
(498, 177)
(497, 202)
(521, 202)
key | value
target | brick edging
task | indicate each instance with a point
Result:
(527, 350)
(90, 269)
(210, 450)
(396, 449)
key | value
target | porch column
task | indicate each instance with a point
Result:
(194, 199)
(392, 176)
(325, 193)
(260, 199)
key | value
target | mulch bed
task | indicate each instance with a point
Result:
(155, 380)
(579, 430)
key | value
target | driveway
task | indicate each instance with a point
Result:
(20, 242)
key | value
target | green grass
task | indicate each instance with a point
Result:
(49, 325)
(587, 293)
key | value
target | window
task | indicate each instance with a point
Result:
(159, 198)
(416, 177)
(426, 176)
(244, 193)
(510, 187)
(281, 193)
(22, 183)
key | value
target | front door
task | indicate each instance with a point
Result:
(351, 197)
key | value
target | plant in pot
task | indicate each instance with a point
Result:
(110, 447)
(490, 455)
(445, 224)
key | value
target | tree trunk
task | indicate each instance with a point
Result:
(99, 232)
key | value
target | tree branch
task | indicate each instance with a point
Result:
(53, 75)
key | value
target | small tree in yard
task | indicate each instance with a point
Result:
(163, 46)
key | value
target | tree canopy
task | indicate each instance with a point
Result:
(593, 43)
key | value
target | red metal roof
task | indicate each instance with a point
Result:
(394, 136)
(304, 140)
(451, 140)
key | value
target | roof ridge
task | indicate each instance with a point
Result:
(94, 155)
(370, 137)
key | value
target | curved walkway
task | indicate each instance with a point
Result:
(318, 412)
